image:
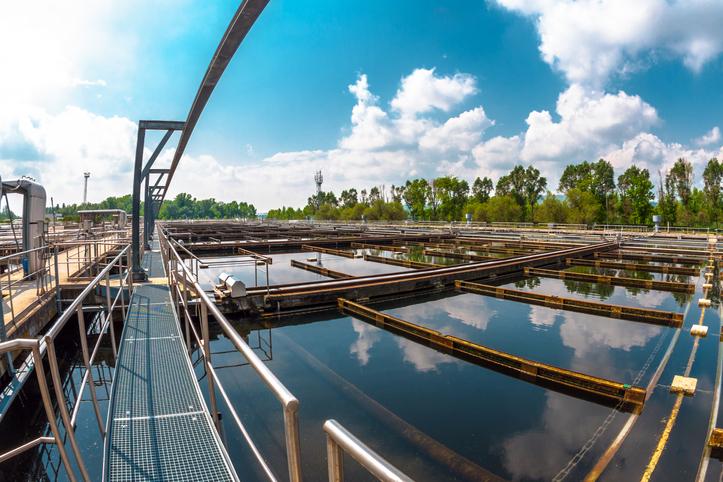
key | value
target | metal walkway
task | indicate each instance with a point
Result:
(158, 425)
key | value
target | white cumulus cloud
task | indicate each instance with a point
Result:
(591, 40)
(711, 137)
(423, 91)
(587, 119)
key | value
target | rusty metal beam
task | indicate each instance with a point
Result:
(395, 249)
(646, 268)
(559, 379)
(335, 252)
(663, 318)
(651, 258)
(468, 257)
(400, 262)
(613, 280)
(319, 270)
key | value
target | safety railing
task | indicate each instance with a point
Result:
(340, 440)
(46, 346)
(688, 230)
(83, 259)
(182, 282)
(20, 275)
(622, 228)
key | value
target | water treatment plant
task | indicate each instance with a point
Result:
(135, 348)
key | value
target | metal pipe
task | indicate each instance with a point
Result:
(340, 438)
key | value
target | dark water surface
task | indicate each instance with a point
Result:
(425, 411)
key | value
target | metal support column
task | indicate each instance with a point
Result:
(140, 174)
(138, 273)
(147, 217)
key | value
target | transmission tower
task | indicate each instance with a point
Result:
(319, 179)
(85, 191)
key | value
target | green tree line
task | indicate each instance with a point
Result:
(590, 193)
(183, 206)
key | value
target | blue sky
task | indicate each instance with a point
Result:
(370, 93)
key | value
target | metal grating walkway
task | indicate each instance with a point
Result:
(158, 425)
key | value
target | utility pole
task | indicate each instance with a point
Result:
(85, 191)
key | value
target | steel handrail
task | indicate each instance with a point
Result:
(58, 325)
(46, 345)
(106, 323)
(340, 440)
(287, 399)
(34, 345)
(280, 391)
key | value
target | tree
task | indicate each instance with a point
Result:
(481, 189)
(636, 190)
(534, 187)
(452, 196)
(604, 183)
(513, 185)
(667, 205)
(573, 176)
(598, 178)
(583, 207)
(552, 210)
(348, 198)
(712, 178)
(374, 194)
(433, 197)
(683, 175)
(415, 197)
(503, 209)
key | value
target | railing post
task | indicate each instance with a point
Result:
(335, 456)
(10, 295)
(62, 407)
(207, 360)
(122, 296)
(130, 277)
(3, 338)
(293, 446)
(185, 313)
(110, 315)
(57, 280)
(47, 403)
(86, 360)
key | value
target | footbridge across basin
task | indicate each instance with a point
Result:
(158, 424)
